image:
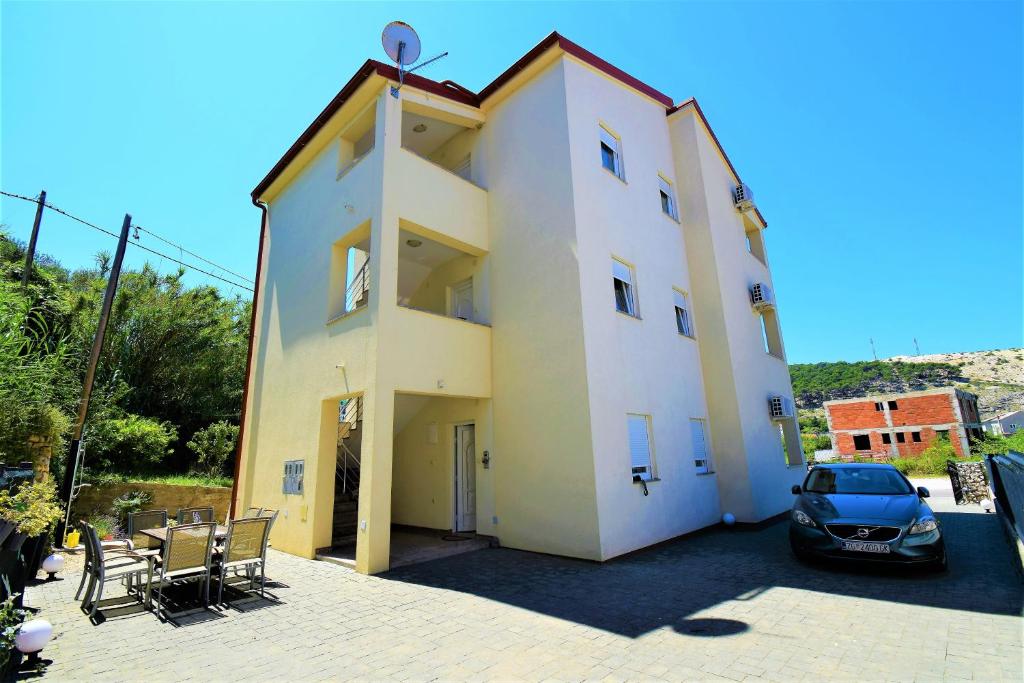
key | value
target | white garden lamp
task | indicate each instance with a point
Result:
(53, 564)
(729, 519)
(33, 636)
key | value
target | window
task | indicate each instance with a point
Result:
(862, 442)
(641, 460)
(901, 437)
(700, 446)
(879, 406)
(668, 198)
(915, 437)
(886, 438)
(683, 324)
(892, 405)
(771, 337)
(622, 279)
(611, 153)
(755, 243)
(942, 435)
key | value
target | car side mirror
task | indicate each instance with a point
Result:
(923, 492)
(796, 490)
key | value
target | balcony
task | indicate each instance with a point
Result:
(441, 355)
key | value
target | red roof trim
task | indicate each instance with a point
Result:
(704, 119)
(458, 93)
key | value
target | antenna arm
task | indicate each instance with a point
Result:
(423, 64)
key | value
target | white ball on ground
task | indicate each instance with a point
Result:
(729, 519)
(53, 564)
(33, 636)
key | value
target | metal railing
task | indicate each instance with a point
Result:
(358, 290)
(350, 411)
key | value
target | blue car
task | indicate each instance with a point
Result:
(864, 512)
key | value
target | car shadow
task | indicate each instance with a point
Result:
(668, 584)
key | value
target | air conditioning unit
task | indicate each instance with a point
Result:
(761, 296)
(781, 407)
(743, 198)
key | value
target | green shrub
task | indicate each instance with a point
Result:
(128, 502)
(34, 507)
(213, 447)
(105, 525)
(931, 462)
(130, 442)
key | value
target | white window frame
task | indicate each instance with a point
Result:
(681, 302)
(702, 465)
(639, 437)
(667, 190)
(621, 270)
(609, 139)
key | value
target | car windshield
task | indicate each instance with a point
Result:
(864, 480)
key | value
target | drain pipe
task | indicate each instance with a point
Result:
(264, 225)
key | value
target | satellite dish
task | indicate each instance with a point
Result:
(401, 43)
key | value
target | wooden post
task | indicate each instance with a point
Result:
(30, 254)
(71, 460)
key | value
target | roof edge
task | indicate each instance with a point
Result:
(692, 102)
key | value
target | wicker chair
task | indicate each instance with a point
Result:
(186, 557)
(195, 515)
(101, 568)
(245, 548)
(149, 519)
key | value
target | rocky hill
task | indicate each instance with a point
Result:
(997, 377)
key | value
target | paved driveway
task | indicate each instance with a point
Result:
(717, 605)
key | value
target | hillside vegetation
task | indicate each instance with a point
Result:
(996, 376)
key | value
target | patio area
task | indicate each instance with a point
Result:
(718, 605)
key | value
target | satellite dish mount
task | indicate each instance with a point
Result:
(402, 46)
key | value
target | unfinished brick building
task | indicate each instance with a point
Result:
(903, 424)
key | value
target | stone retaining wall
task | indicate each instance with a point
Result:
(973, 481)
(98, 498)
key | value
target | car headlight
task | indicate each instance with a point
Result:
(801, 517)
(924, 525)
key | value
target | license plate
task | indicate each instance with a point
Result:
(862, 547)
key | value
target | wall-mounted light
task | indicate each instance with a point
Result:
(414, 243)
(419, 128)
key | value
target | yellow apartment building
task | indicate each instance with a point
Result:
(542, 312)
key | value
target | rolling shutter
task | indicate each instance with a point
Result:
(640, 447)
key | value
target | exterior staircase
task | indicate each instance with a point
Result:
(346, 482)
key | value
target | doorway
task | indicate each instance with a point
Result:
(465, 478)
(462, 300)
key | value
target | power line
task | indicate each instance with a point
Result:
(136, 244)
(191, 253)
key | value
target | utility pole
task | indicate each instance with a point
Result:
(871, 339)
(30, 254)
(71, 460)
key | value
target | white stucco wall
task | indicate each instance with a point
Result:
(634, 365)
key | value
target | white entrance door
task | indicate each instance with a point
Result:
(462, 300)
(465, 478)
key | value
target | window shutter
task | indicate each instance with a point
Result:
(621, 271)
(700, 446)
(608, 139)
(640, 447)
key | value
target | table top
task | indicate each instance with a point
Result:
(160, 533)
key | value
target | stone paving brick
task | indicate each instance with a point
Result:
(720, 605)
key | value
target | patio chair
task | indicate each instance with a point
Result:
(252, 512)
(195, 515)
(101, 568)
(186, 557)
(245, 548)
(149, 519)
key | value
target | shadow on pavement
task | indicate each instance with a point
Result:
(665, 585)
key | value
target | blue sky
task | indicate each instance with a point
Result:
(882, 140)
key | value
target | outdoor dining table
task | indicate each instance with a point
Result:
(160, 533)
